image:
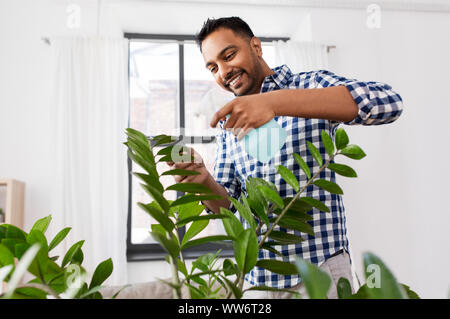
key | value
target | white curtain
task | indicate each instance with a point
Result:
(91, 114)
(301, 56)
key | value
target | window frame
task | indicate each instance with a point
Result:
(153, 251)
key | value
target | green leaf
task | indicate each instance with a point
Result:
(194, 229)
(277, 266)
(268, 246)
(314, 152)
(147, 166)
(381, 283)
(168, 245)
(158, 215)
(328, 186)
(244, 211)
(151, 179)
(157, 196)
(163, 139)
(42, 224)
(13, 232)
(59, 238)
(302, 165)
(246, 250)
(182, 267)
(71, 253)
(353, 151)
(411, 294)
(315, 203)
(236, 291)
(229, 268)
(187, 220)
(343, 287)
(316, 281)
(327, 143)
(266, 288)
(6, 256)
(189, 210)
(194, 198)
(256, 199)
(181, 172)
(136, 134)
(271, 196)
(143, 150)
(101, 273)
(204, 240)
(342, 169)
(189, 188)
(289, 177)
(166, 150)
(232, 225)
(295, 224)
(341, 138)
(285, 238)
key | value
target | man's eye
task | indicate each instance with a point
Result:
(229, 56)
(213, 69)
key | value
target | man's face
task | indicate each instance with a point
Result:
(233, 61)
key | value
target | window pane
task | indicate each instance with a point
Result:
(197, 82)
(154, 74)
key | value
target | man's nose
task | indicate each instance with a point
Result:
(225, 73)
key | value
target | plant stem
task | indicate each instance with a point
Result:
(174, 266)
(286, 208)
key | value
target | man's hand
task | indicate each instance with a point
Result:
(196, 165)
(246, 113)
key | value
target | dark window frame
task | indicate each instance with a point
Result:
(145, 252)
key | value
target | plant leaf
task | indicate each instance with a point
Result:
(353, 151)
(271, 196)
(277, 266)
(101, 273)
(343, 287)
(302, 165)
(194, 229)
(268, 246)
(193, 198)
(244, 211)
(42, 224)
(289, 177)
(229, 268)
(314, 152)
(71, 253)
(189, 209)
(328, 186)
(158, 215)
(327, 143)
(342, 169)
(187, 220)
(285, 238)
(181, 172)
(341, 138)
(295, 224)
(316, 281)
(233, 227)
(168, 245)
(204, 240)
(246, 250)
(387, 286)
(59, 238)
(315, 203)
(189, 188)
(151, 179)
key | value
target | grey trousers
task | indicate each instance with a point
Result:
(337, 267)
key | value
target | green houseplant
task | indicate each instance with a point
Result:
(262, 199)
(22, 252)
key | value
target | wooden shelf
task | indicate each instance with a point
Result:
(13, 193)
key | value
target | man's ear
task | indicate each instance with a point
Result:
(255, 44)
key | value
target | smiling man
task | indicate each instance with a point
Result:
(303, 104)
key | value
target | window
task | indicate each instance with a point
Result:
(167, 82)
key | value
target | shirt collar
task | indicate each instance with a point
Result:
(280, 77)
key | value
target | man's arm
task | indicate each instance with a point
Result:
(329, 97)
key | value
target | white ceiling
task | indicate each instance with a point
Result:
(402, 5)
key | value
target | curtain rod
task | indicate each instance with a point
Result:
(47, 41)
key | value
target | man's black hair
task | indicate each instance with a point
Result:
(236, 24)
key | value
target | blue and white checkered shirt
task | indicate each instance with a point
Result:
(377, 103)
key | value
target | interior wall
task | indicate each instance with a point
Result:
(395, 208)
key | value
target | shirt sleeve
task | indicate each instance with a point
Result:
(377, 102)
(224, 169)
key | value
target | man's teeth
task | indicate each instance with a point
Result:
(235, 80)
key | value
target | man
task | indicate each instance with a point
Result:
(303, 104)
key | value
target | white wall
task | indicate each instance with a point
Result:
(396, 208)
